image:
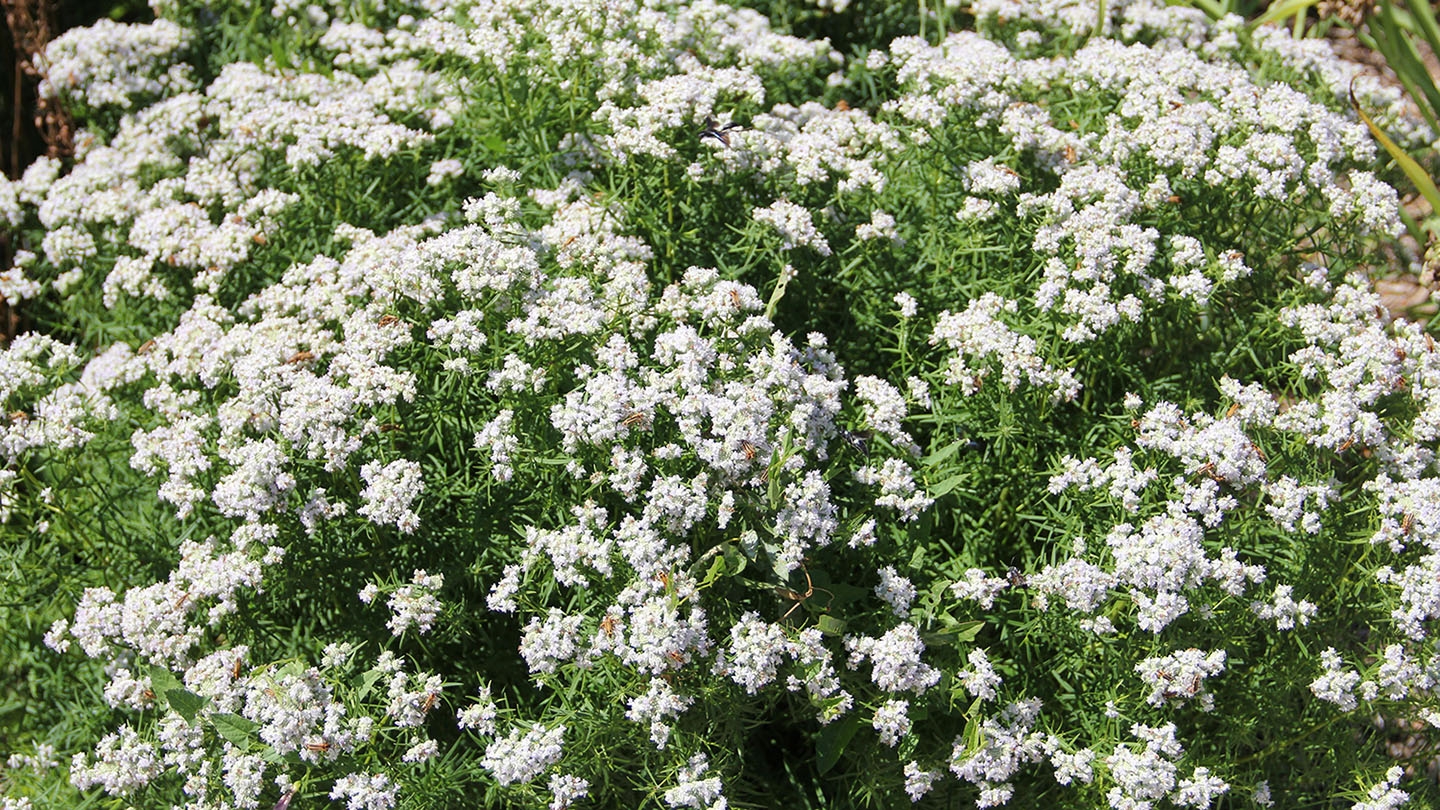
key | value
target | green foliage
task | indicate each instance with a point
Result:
(432, 410)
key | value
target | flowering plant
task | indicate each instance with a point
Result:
(632, 403)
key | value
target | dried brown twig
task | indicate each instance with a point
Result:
(32, 25)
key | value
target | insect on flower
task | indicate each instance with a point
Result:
(608, 624)
(300, 357)
(714, 130)
(859, 440)
(748, 449)
(634, 419)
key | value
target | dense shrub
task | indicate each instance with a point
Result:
(628, 404)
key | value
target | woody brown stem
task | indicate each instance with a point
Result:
(32, 23)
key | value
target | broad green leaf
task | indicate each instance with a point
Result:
(368, 679)
(717, 570)
(944, 487)
(235, 728)
(780, 284)
(956, 633)
(163, 680)
(917, 559)
(943, 453)
(967, 632)
(833, 739)
(187, 704)
(735, 559)
(831, 626)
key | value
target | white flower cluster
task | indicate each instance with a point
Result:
(1180, 676)
(390, 492)
(415, 605)
(895, 659)
(795, 225)
(114, 64)
(892, 721)
(686, 414)
(522, 755)
(696, 790)
(365, 791)
(1007, 743)
(978, 334)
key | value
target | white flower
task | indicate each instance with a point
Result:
(796, 227)
(365, 791)
(390, 491)
(895, 590)
(892, 721)
(694, 791)
(522, 755)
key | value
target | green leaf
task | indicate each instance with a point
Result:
(1282, 10)
(1398, 47)
(717, 570)
(735, 560)
(235, 728)
(917, 559)
(946, 485)
(187, 704)
(833, 739)
(1407, 164)
(831, 626)
(943, 453)
(1425, 21)
(163, 680)
(955, 633)
(781, 283)
(967, 632)
(368, 679)
(973, 738)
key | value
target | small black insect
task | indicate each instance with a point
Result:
(859, 440)
(714, 130)
(1016, 578)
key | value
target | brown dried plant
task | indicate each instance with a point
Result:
(32, 26)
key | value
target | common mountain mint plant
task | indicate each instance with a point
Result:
(654, 404)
